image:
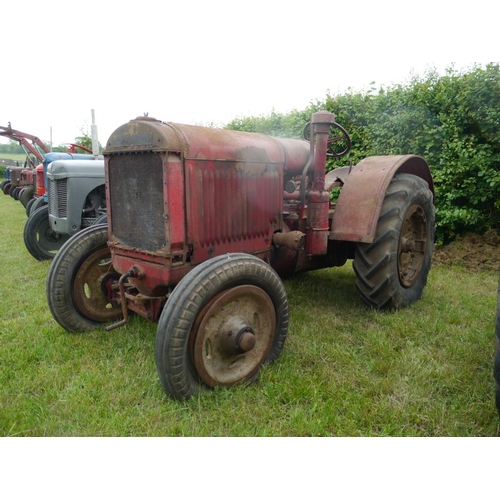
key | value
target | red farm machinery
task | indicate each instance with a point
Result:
(203, 223)
(20, 182)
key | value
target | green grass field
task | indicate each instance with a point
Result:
(345, 370)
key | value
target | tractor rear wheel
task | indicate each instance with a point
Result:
(40, 239)
(391, 272)
(226, 319)
(79, 282)
(496, 369)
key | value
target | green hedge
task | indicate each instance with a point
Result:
(451, 120)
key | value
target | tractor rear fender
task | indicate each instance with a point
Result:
(360, 200)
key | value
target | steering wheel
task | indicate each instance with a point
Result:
(337, 145)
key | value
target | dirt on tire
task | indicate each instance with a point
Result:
(472, 251)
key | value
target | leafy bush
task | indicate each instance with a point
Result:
(453, 121)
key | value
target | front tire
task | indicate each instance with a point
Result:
(391, 272)
(38, 203)
(26, 196)
(226, 319)
(41, 241)
(79, 282)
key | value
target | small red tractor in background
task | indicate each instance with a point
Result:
(203, 223)
(21, 182)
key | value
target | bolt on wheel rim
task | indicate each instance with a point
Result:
(412, 245)
(233, 336)
(87, 288)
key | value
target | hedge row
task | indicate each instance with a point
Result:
(453, 121)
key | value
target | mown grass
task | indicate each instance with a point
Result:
(13, 156)
(345, 370)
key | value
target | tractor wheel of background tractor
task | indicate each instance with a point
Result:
(40, 240)
(391, 272)
(13, 192)
(29, 205)
(79, 281)
(38, 203)
(496, 369)
(226, 319)
(6, 188)
(26, 196)
(2, 184)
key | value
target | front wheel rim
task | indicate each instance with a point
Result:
(233, 336)
(88, 294)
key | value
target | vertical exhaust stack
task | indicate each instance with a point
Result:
(318, 199)
(93, 133)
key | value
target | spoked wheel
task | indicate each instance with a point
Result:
(392, 271)
(80, 281)
(40, 239)
(225, 320)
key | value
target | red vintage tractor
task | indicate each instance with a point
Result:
(203, 223)
(21, 184)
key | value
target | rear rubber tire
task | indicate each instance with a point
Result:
(380, 274)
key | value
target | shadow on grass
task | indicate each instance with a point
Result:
(333, 287)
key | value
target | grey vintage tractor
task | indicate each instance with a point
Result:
(75, 198)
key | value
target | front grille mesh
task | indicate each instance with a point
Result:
(58, 198)
(136, 195)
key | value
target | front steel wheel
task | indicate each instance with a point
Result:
(80, 281)
(391, 272)
(226, 319)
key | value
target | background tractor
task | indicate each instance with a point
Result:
(202, 224)
(73, 199)
(20, 182)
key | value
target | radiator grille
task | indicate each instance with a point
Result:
(230, 206)
(136, 195)
(58, 198)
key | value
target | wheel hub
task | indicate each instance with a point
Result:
(412, 245)
(233, 336)
(89, 296)
(237, 336)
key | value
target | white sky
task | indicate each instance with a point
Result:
(210, 61)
